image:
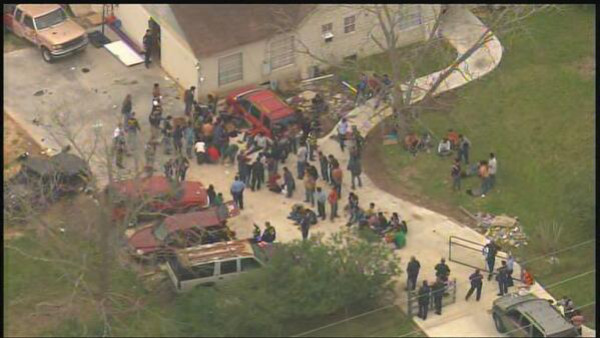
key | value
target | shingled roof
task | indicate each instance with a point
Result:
(211, 29)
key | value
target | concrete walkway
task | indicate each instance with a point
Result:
(428, 231)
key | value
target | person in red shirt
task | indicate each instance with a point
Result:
(333, 202)
(453, 137)
(213, 154)
(336, 176)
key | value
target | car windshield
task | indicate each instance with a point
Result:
(50, 19)
(161, 232)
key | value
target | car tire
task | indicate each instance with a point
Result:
(46, 55)
(498, 323)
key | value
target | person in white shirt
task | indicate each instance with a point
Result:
(492, 167)
(200, 149)
(444, 147)
(342, 131)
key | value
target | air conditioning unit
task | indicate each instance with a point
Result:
(328, 36)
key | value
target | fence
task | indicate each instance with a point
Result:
(448, 298)
(469, 253)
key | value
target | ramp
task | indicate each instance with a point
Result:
(124, 53)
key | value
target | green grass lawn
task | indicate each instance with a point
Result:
(536, 112)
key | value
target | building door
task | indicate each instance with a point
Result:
(154, 28)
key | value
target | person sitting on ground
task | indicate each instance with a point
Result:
(411, 143)
(444, 147)
(453, 137)
(394, 222)
(403, 226)
(382, 223)
(425, 143)
(272, 183)
(371, 211)
(269, 234)
(400, 240)
(256, 233)
(297, 213)
(212, 154)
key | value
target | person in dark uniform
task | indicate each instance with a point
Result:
(442, 271)
(305, 225)
(502, 278)
(148, 42)
(423, 300)
(490, 250)
(437, 290)
(412, 270)
(212, 195)
(476, 279)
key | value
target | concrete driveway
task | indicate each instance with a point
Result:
(36, 89)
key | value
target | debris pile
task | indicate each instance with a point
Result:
(502, 229)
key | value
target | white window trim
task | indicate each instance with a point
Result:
(219, 83)
(353, 24)
(293, 53)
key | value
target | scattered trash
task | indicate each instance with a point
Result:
(85, 70)
(503, 229)
(72, 68)
(62, 230)
(39, 93)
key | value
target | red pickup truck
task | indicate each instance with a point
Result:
(262, 108)
(48, 27)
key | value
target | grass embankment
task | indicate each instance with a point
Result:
(536, 112)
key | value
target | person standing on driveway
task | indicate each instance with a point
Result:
(190, 138)
(309, 190)
(423, 300)
(167, 132)
(437, 291)
(332, 198)
(476, 279)
(502, 277)
(154, 118)
(442, 271)
(188, 100)
(321, 198)
(126, 108)
(178, 139)
(132, 127)
(288, 181)
(342, 131)
(455, 174)
(355, 168)
(510, 264)
(324, 164)
(463, 148)
(412, 270)
(237, 191)
(301, 161)
(210, 192)
(168, 169)
(182, 167)
(120, 151)
(493, 167)
(490, 250)
(148, 42)
(305, 225)
(257, 171)
(337, 176)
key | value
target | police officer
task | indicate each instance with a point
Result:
(423, 300)
(442, 271)
(476, 279)
(412, 270)
(437, 289)
(502, 278)
(490, 250)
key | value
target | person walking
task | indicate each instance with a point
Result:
(355, 168)
(155, 119)
(178, 139)
(126, 108)
(437, 290)
(455, 174)
(337, 176)
(321, 198)
(210, 192)
(324, 165)
(309, 190)
(412, 270)
(476, 279)
(332, 198)
(463, 148)
(423, 300)
(188, 100)
(156, 93)
(502, 278)
(490, 249)
(237, 192)
(442, 271)
(302, 155)
(148, 42)
(492, 169)
(288, 181)
(342, 130)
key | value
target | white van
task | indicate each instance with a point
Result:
(212, 263)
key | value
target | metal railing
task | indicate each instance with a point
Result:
(449, 297)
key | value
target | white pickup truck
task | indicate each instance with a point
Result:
(48, 27)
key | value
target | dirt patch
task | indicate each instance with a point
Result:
(10, 233)
(13, 42)
(387, 180)
(586, 67)
(20, 141)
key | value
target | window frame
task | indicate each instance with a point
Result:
(254, 260)
(223, 76)
(25, 24)
(348, 25)
(412, 14)
(18, 14)
(235, 264)
(282, 52)
(330, 30)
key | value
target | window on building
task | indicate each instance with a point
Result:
(350, 24)
(409, 16)
(327, 28)
(282, 52)
(230, 69)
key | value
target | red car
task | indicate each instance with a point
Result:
(159, 195)
(161, 238)
(262, 108)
